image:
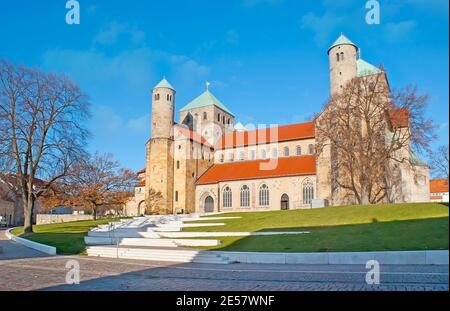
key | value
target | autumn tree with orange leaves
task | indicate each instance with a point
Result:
(96, 184)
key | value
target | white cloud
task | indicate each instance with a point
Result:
(400, 31)
(109, 34)
(140, 124)
(323, 27)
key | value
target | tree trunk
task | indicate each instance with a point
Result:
(364, 196)
(28, 204)
(94, 209)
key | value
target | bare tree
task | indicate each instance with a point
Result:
(439, 162)
(96, 183)
(153, 202)
(42, 133)
(364, 128)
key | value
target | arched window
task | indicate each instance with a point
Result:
(264, 195)
(218, 117)
(205, 116)
(245, 196)
(227, 198)
(311, 149)
(156, 96)
(168, 97)
(229, 121)
(299, 150)
(231, 157)
(274, 153)
(342, 56)
(263, 154)
(223, 119)
(178, 164)
(222, 158)
(241, 156)
(337, 56)
(253, 155)
(308, 192)
(286, 151)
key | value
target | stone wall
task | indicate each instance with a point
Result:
(291, 186)
(42, 219)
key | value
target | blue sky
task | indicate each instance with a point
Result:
(266, 59)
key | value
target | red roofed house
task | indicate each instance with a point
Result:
(206, 163)
(439, 190)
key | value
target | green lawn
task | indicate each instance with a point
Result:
(350, 228)
(68, 237)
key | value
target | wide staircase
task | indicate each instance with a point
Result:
(142, 239)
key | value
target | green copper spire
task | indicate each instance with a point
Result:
(164, 84)
(204, 100)
(340, 41)
(366, 69)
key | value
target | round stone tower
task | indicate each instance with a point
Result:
(159, 173)
(163, 98)
(343, 56)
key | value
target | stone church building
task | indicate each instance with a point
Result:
(207, 163)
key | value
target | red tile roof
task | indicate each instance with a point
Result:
(193, 136)
(142, 171)
(262, 136)
(140, 183)
(400, 117)
(436, 197)
(438, 185)
(292, 166)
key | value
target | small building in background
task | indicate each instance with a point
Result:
(439, 190)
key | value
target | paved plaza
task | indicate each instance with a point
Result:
(25, 269)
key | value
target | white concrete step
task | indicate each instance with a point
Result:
(189, 225)
(198, 225)
(209, 218)
(156, 254)
(150, 242)
(166, 229)
(175, 235)
(130, 241)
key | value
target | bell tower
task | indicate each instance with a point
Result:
(159, 168)
(343, 67)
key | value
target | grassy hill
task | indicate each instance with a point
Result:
(350, 228)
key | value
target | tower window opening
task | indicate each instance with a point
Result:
(337, 56)
(218, 117)
(342, 55)
(205, 116)
(156, 96)
(168, 97)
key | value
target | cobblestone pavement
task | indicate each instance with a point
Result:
(13, 250)
(121, 275)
